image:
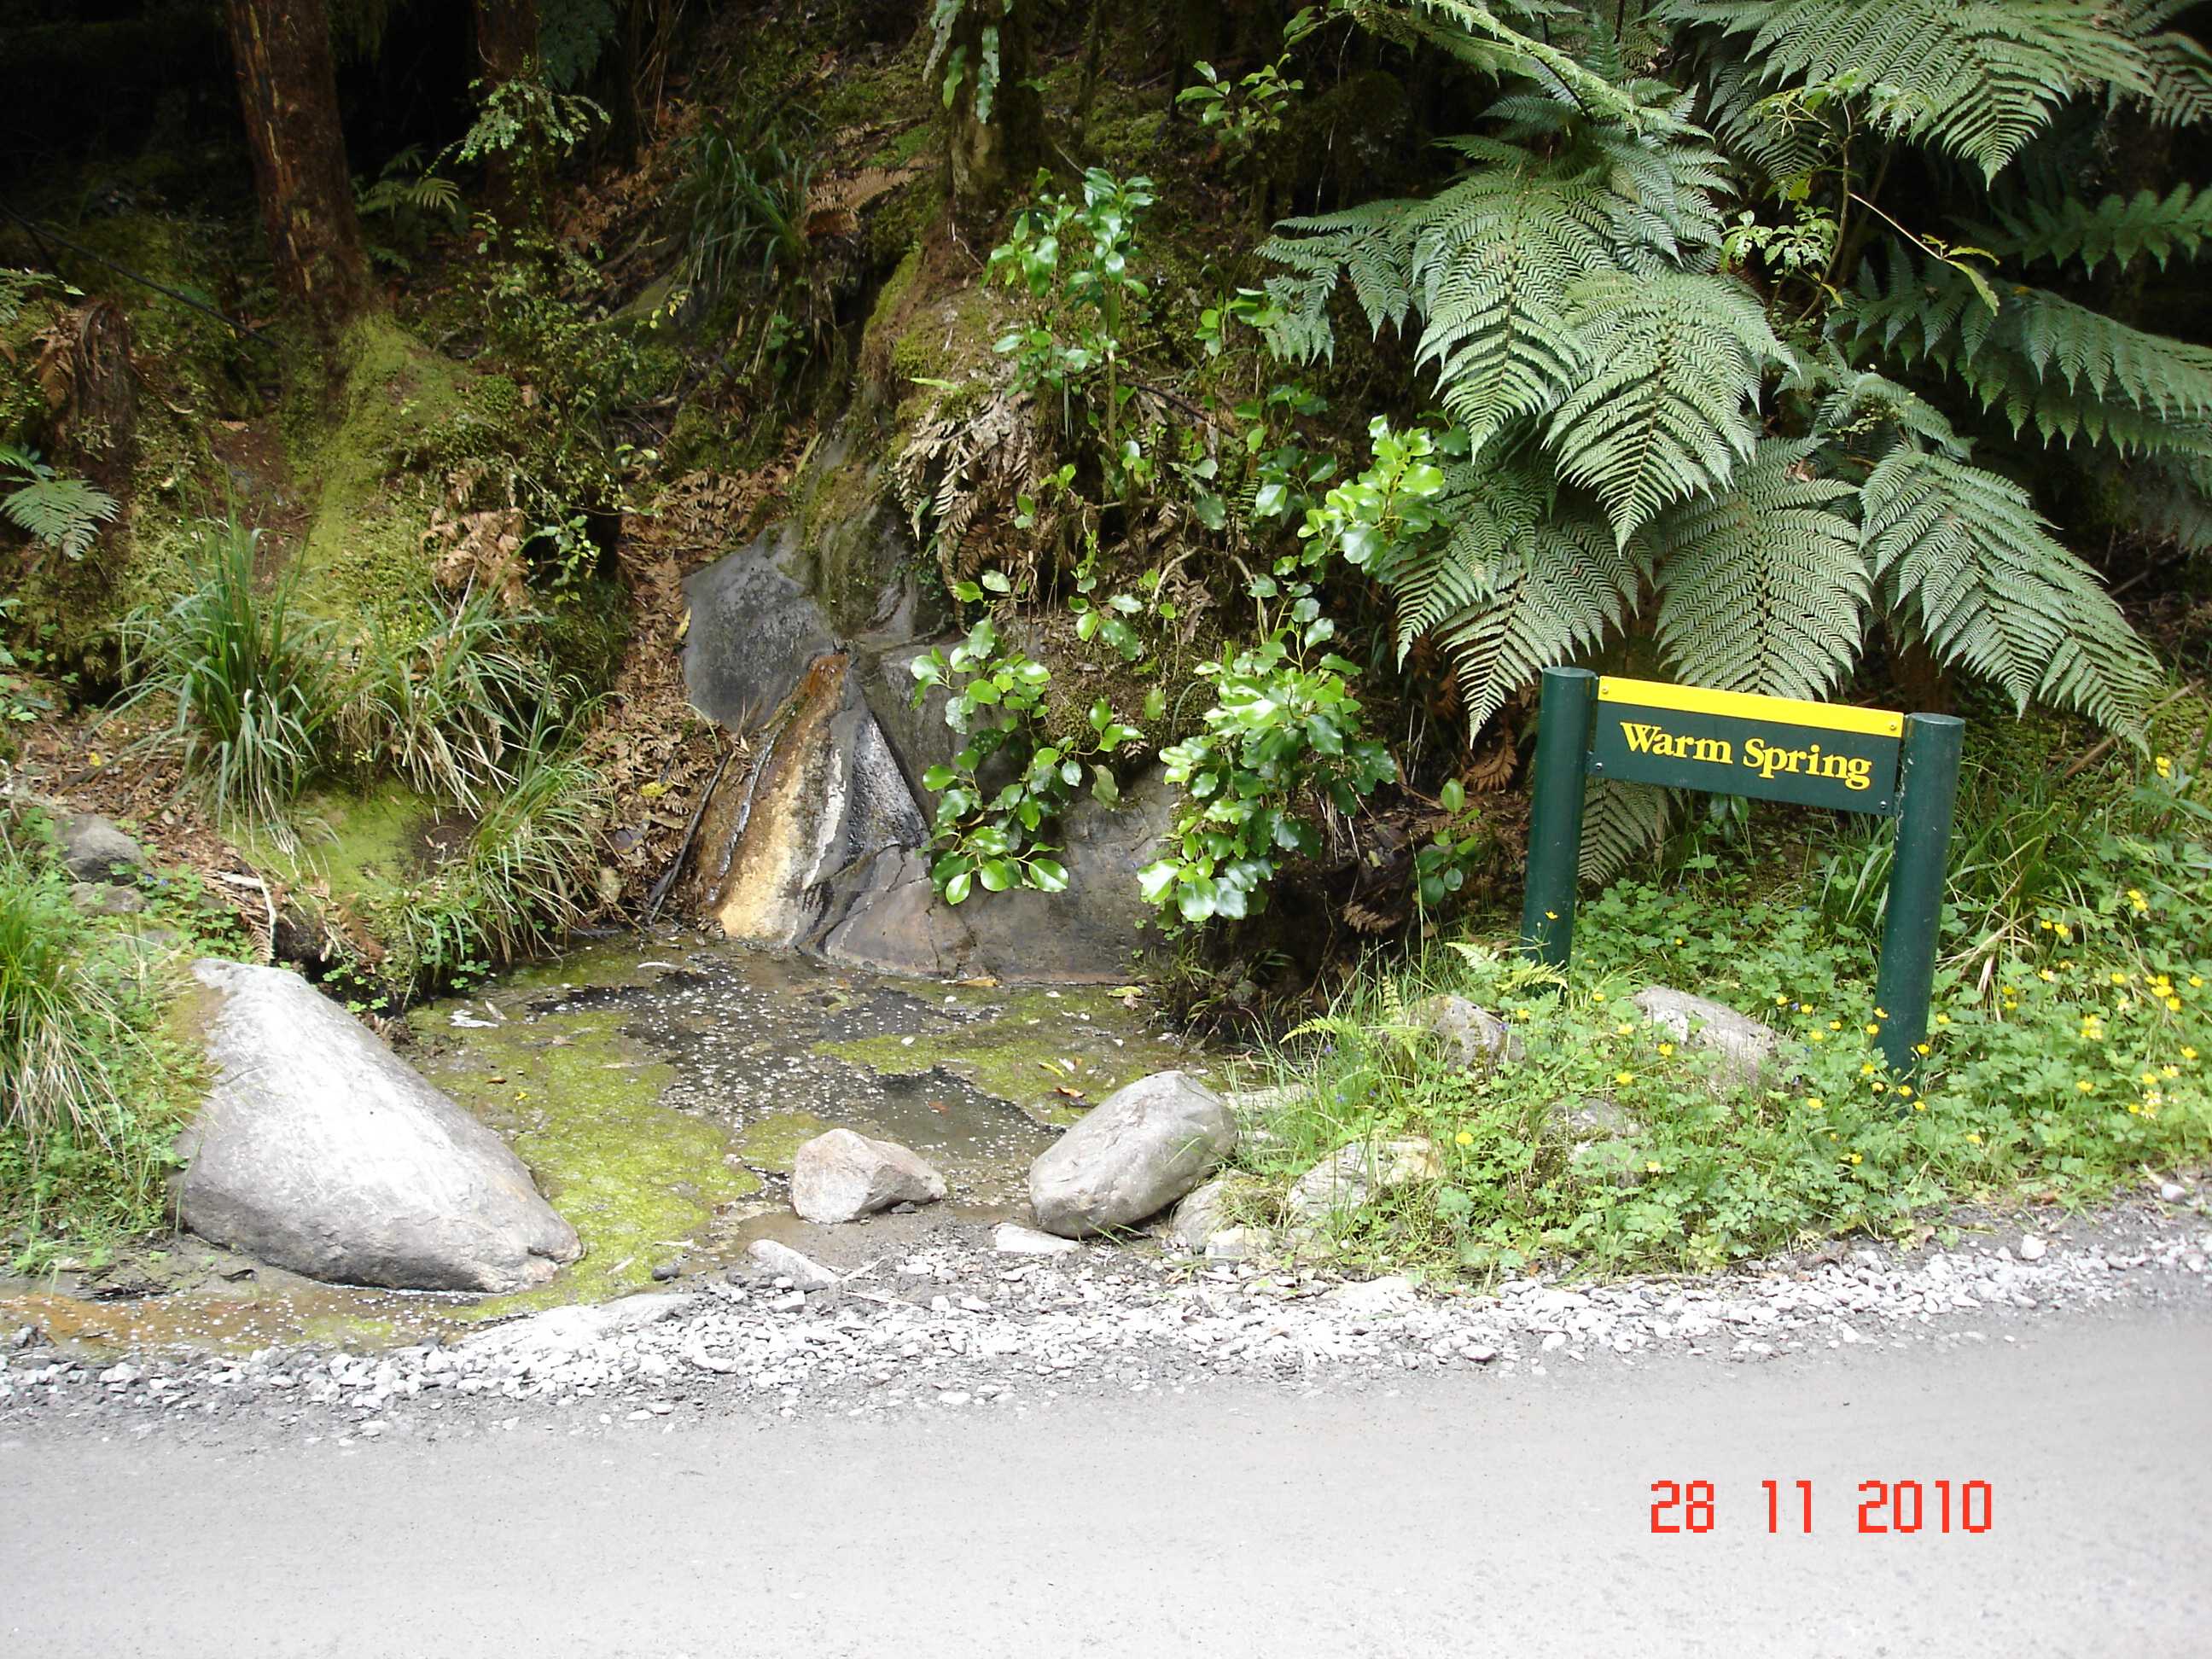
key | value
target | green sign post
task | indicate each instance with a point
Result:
(1860, 760)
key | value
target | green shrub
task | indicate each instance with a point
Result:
(250, 681)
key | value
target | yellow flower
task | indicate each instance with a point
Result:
(2169, 1071)
(1463, 1138)
(1873, 1029)
(1835, 1025)
(1919, 1105)
(2165, 766)
(2147, 1079)
(1624, 1030)
(2065, 937)
(2085, 1085)
(1550, 915)
(1866, 1070)
(2045, 973)
(2188, 1052)
(2196, 981)
(1856, 1158)
(1815, 1102)
(1624, 1078)
(1879, 1087)
(1881, 1013)
(2174, 1004)
(1597, 996)
(1665, 1048)
(1922, 1048)
(1820, 1037)
(1780, 999)
(2119, 979)
(1973, 1137)
(1905, 1089)
(1651, 1167)
(1942, 1019)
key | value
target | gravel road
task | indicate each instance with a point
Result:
(1447, 1511)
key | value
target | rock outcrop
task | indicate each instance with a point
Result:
(1131, 1155)
(842, 1177)
(93, 849)
(1350, 1176)
(319, 1149)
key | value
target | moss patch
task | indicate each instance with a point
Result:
(363, 847)
(1054, 1054)
(773, 1143)
(580, 1104)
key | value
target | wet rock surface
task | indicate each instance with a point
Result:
(321, 1151)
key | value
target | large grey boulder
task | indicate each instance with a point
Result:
(319, 1149)
(1751, 1054)
(1133, 1154)
(93, 849)
(842, 1177)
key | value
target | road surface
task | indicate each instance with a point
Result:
(1462, 1514)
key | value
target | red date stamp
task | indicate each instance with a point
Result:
(1884, 1506)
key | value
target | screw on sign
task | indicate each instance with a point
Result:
(1812, 754)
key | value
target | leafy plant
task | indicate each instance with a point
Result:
(1282, 734)
(248, 682)
(409, 198)
(55, 510)
(61, 1021)
(1073, 259)
(950, 55)
(1750, 441)
(999, 796)
(1249, 109)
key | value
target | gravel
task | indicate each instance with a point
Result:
(955, 1324)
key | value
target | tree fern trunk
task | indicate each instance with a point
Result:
(289, 93)
(996, 132)
(507, 46)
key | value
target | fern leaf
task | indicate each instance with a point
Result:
(59, 512)
(1621, 823)
(2039, 359)
(1967, 567)
(1526, 583)
(2121, 228)
(1762, 585)
(1667, 412)
(1977, 77)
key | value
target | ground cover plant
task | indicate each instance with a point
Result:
(2069, 1055)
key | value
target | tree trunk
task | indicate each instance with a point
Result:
(290, 95)
(997, 129)
(506, 44)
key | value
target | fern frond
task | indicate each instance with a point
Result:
(53, 509)
(1967, 566)
(1525, 583)
(1977, 77)
(1666, 411)
(1854, 402)
(2039, 359)
(1763, 586)
(1621, 823)
(1477, 36)
(2121, 228)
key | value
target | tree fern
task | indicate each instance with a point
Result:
(2039, 358)
(1977, 77)
(1621, 823)
(2121, 228)
(1967, 567)
(1523, 582)
(1763, 586)
(1668, 411)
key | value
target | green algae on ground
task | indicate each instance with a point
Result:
(582, 1106)
(773, 1143)
(1053, 1052)
(368, 845)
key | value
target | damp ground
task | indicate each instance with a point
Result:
(659, 1088)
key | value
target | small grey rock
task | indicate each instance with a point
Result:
(842, 1177)
(102, 898)
(1480, 1041)
(93, 849)
(1017, 1240)
(1131, 1155)
(2172, 1191)
(780, 1261)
